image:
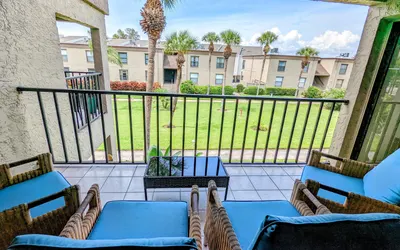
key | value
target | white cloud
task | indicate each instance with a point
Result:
(333, 41)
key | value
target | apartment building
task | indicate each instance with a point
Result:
(134, 56)
(285, 71)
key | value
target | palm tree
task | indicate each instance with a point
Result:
(229, 37)
(266, 39)
(153, 24)
(307, 52)
(112, 54)
(179, 43)
(211, 38)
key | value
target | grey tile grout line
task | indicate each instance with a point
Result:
(133, 174)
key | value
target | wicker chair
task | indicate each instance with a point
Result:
(18, 219)
(218, 230)
(81, 224)
(354, 203)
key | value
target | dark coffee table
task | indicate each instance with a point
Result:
(183, 172)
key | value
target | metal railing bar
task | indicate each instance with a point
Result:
(303, 132)
(183, 134)
(117, 127)
(222, 126)
(245, 130)
(315, 130)
(280, 131)
(75, 125)
(271, 119)
(131, 129)
(89, 128)
(44, 120)
(103, 128)
(327, 126)
(257, 130)
(292, 131)
(233, 130)
(144, 129)
(60, 127)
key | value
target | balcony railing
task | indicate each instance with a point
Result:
(87, 81)
(239, 129)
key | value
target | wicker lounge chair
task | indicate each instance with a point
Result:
(38, 201)
(353, 187)
(233, 224)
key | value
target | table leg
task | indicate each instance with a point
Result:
(226, 189)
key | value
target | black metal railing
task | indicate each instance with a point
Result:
(239, 129)
(87, 81)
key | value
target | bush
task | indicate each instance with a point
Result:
(132, 85)
(229, 90)
(253, 91)
(187, 87)
(239, 88)
(163, 100)
(202, 90)
(334, 94)
(280, 91)
(312, 92)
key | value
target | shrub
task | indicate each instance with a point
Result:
(253, 91)
(163, 100)
(156, 86)
(229, 90)
(131, 86)
(202, 90)
(280, 91)
(187, 87)
(239, 88)
(312, 92)
(334, 94)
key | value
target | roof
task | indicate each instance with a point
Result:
(321, 71)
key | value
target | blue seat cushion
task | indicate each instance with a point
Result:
(141, 219)
(382, 182)
(36, 241)
(34, 189)
(328, 232)
(339, 181)
(246, 216)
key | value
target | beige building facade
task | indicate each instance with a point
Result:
(77, 57)
(285, 71)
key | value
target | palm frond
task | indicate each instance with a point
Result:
(267, 38)
(180, 42)
(231, 37)
(211, 37)
(169, 4)
(307, 52)
(112, 54)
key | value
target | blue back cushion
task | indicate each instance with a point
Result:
(34, 189)
(37, 241)
(329, 232)
(141, 219)
(382, 182)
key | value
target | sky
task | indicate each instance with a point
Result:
(331, 28)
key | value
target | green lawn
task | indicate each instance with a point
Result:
(137, 120)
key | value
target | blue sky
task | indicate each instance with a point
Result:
(330, 27)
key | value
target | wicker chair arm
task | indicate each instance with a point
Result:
(195, 225)
(344, 166)
(80, 224)
(44, 163)
(305, 202)
(354, 203)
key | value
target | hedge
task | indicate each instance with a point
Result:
(187, 87)
(132, 85)
(280, 91)
(240, 88)
(312, 92)
(253, 91)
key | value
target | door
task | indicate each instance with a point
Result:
(380, 131)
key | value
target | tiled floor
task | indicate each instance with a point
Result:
(121, 182)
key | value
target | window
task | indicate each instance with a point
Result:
(89, 56)
(343, 69)
(145, 75)
(219, 79)
(194, 77)
(123, 74)
(220, 63)
(278, 81)
(244, 64)
(302, 82)
(91, 70)
(146, 59)
(123, 56)
(194, 61)
(339, 83)
(305, 70)
(281, 66)
(64, 55)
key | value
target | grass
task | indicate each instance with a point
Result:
(177, 131)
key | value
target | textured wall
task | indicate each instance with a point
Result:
(30, 57)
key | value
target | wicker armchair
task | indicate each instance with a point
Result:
(80, 224)
(218, 230)
(18, 219)
(354, 203)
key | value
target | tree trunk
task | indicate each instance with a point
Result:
(225, 69)
(149, 88)
(209, 73)
(178, 83)
(262, 71)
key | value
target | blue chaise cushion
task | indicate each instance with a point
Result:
(382, 182)
(246, 216)
(342, 182)
(329, 232)
(36, 241)
(141, 219)
(34, 189)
